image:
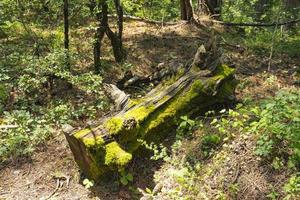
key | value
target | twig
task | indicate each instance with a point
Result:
(57, 187)
(8, 126)
(134, 18)
(257, 24)
(237, 172)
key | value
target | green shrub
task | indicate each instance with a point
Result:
(4, 94)
(155, 9)
(279, 127)
(29, 132)
(292, 187)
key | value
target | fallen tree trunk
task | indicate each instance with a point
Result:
(111, 145)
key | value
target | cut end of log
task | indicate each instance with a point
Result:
(111, 145)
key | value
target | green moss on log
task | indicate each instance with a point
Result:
(114, 125)
(116, 157)
(151, 120)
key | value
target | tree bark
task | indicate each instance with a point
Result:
(103, 28)
(209, 7)
(66, 33)
(66, 24)
(187, 11)
(111, 145)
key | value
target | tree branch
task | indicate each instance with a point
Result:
(257, 24)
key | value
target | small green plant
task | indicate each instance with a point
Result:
(159, 151)
(88, 183)
(29, 131)
(209, 142)
(125, 177)
(279, 128)
(277, 163)
(292, 187)
(185, 127)
(273, 195)
(234, 189)
(264, 146)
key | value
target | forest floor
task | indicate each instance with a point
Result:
(36, 177)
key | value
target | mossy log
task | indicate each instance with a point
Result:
(111, 145)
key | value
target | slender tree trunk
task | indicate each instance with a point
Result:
(97, 49)
(66, 24)
(116, 38)
(210, 7)
(66, 32)
(119, 9)
(103, 28)
(183, 10)
(293, 6)
(187, 11)
(99, 35)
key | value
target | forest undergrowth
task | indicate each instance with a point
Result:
(247, 149)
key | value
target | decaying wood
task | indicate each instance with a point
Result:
(119, 97)
(111, 145)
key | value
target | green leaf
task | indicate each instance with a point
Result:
(148, 190)
(185, 118)
(123, 180)
(129, 177)
(214, 121)
(88, 183)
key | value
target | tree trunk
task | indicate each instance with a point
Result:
(66, 33)
(97, 49)
(209, 7)
(99, 35)
(103, 28)
(66, 24)
(111, 145)
(293, 6)
(187, 11)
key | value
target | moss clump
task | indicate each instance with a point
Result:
(116, 156)
(140, 113)
(224, 70)
(93, 141)
(89, 141)
(176, 106)
(114, 125)
(82, 133)
(133, 102)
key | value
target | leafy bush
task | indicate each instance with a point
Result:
(209, 142)
(185, 128)
(279, 127)
(281, 39)
(29, 132)
(125, 177)
(155, 9)
(292, 187)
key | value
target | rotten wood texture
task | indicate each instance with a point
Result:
(111, 145)
(119, 97)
